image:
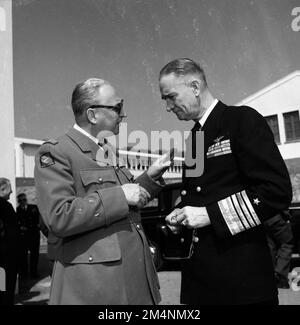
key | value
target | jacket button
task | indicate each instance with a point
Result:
(138, 226)
(100, 180)
(90, 259)
(198, 188)
(195, 239)
(182, 240)
(183, 192)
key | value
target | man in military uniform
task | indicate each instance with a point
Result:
(244, 183)
(281, 243)
(28, 217)
(91, 206)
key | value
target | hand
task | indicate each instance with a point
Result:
(135, 195)
(160, 165)
(191, 217)
(172, 223)
(175, 229)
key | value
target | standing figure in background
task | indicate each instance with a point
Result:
(29, 224)
(280, 240)
(9, 243)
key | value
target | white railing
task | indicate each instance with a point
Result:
(138, 162)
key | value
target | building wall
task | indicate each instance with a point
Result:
(281, 97)
(7, 165)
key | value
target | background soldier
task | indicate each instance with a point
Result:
(28, 217)
(280, 240)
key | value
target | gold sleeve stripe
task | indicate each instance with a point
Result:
(250, 207)
(245, 210)
(233, 222)
(240, 212)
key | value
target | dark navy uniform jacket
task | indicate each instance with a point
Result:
(245, 182)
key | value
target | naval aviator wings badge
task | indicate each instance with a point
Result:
(219, 147)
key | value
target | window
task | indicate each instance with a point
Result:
(272, 121)
(292, 126)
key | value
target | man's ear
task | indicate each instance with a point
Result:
(90, 115)
(196, 86)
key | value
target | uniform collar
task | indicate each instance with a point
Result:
(78, 128)
(207, 113)
(85, 143)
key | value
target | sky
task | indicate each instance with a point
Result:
(243, 46)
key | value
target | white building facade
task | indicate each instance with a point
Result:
(279, 103)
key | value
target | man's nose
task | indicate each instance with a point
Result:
(123, 114)
(169, 105)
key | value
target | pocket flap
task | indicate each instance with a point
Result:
(98, 176)
(89, 249)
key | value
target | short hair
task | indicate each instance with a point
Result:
(183, 67)
(84, 95)
(21, 195)
(4, 181)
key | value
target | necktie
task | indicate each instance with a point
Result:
(108, 153)
(103, 145)
(197, 127)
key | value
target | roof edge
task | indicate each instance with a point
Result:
(268, 88)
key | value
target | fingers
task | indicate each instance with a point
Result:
(171, 218)
(181, 217)
(145, 193)
(175, 229)
(163, 161)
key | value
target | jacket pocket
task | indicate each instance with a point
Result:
(89, 248)
(104, 177)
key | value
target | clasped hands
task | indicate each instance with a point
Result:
(190, 217)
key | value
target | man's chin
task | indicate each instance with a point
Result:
(181, 117)
(117, 130)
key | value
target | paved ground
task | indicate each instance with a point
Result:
(36, 292)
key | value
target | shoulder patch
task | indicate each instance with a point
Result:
(52, 141)
(46, 160)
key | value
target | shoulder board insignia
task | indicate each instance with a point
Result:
(46, 160)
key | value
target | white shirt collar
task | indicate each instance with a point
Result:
(78, 128)
(207, 113)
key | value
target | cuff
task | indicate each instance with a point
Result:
(233, 214)
(114, 204)
(149, 184)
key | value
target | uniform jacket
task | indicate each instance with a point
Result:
(29, 219)
(101, 252)
(244, 183)
(9, 235)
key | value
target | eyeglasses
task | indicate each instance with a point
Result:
(116, 108)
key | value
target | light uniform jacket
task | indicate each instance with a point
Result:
(101, 252)
(244, 183)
